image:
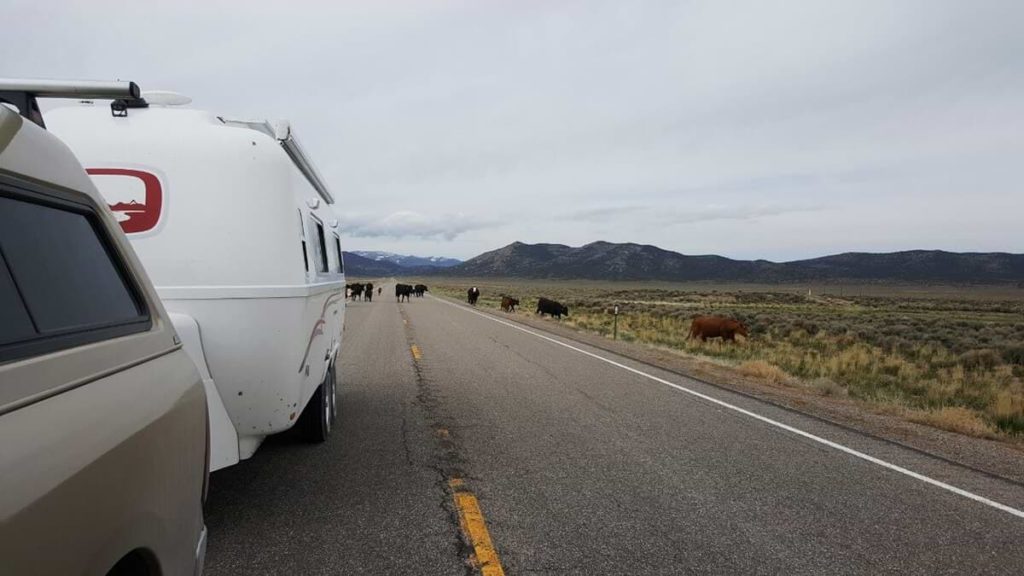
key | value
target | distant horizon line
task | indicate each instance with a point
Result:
(738, 258)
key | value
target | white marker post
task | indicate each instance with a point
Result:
(615, 324)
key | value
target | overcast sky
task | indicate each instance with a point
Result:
(775, 130)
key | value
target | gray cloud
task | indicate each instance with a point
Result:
(686, 215)
(603, 213)
(776, 130)
(409, 224)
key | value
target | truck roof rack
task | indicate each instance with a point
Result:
(22, 94)
(281, 131)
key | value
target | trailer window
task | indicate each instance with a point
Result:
(341, 259)
(322, 245)
(56, 259)
(302, 237)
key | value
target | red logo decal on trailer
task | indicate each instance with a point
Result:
(135, 216)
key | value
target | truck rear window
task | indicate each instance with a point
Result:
(61, 284)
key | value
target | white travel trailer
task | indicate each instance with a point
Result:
(237, 230)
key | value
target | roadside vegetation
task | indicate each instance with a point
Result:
(953, 359)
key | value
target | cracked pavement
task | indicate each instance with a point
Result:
(373, 499)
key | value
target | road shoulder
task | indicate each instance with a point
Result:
(988, 457)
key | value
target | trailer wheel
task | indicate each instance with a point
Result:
(332, 379)
(317, 417)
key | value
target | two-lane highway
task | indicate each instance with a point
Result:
(586, 463)
(368, 501)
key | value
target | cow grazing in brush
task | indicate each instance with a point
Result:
(368, 292)
(472, 295)
(705, 327)
(508, 304)
(419, 289)
(402, 291)
(355, 290)
(555, 309)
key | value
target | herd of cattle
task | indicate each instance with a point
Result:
(360, 291)
(702, 327)
(364, 291)
(406, 290)
(508, 304)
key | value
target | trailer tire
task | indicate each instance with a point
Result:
(317, 418)
(332, 379)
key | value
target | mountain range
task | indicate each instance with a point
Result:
(608, 261)
(408, 261)
(356, 265)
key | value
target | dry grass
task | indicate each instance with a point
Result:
(955, 419)
(952, 359)
(763, 371)
(826, 387)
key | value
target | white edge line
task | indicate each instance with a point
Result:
(766, 420)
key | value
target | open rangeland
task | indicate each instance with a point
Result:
(951, 357)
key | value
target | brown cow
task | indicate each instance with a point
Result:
(508, 304)
(705, 327)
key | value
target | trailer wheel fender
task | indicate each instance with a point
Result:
(224, 449)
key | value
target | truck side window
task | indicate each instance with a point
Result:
(71, 285)
(15, 323)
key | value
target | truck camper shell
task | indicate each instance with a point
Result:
(237, 230)
(103, 417)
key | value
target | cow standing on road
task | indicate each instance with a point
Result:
(419, 289)
(508, 304)
(472, 295)
(555, 309)
(705, 327)
(402, 291)
(368, 292)
(356, 290)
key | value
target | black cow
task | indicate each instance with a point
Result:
(402, 291)
(419, 289)
(472, 295)
(556, 310)
(355, 290)
(368, 292)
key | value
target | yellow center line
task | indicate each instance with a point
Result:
(471, 520)
(416, 352)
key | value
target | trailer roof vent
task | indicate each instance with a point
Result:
(165, 98)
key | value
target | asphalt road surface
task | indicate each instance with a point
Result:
(585, 466)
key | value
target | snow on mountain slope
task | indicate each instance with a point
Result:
(408, 261)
